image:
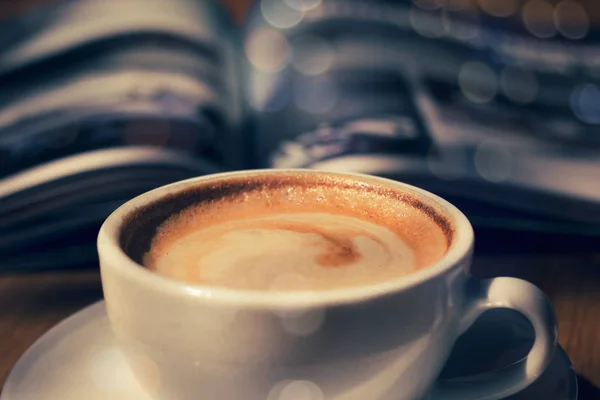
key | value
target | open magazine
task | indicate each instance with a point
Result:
(103, 100)
(494, 107)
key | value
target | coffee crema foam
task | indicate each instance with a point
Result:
(296, 233)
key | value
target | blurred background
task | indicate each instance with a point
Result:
(492, 104)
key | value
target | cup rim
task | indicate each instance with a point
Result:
(114, 257)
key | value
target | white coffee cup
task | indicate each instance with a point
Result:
(380, 342)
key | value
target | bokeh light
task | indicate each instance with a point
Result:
(493, 162)
(109, 369)
(312, 55)
(466, 27)
(427, 24)
(267, 49)
(585, 102)
(538, 17)
(571, 19)
(499, 8)
(298, 322)
(478, 82)
(146, 372)
(279, 14)
(296, 390)
(303, 322)
(303, 5)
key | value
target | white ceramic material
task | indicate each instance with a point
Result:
(79, 359)
(382, 342)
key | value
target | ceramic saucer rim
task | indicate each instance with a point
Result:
(98, 308)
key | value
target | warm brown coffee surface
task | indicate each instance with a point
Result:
(297, 231)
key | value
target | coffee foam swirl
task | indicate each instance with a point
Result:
(308, 251)
(294, 232)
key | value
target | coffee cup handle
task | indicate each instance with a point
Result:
(528, 300)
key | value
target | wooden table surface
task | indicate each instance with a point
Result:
(31, 304)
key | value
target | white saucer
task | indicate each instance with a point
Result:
(78, 359)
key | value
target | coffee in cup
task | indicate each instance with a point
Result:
(297, 232)
(246, 285)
